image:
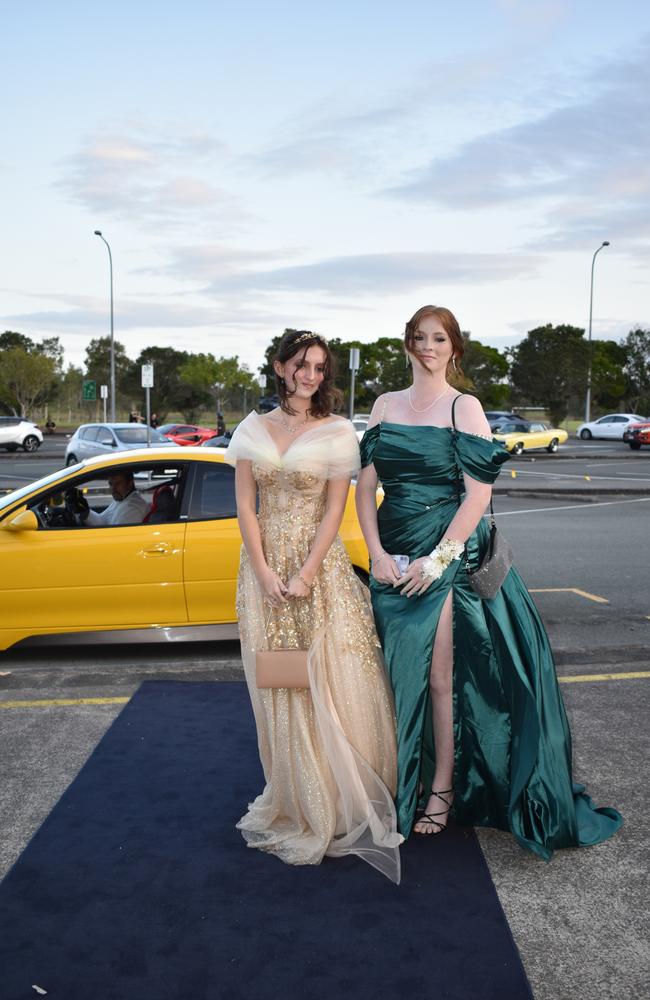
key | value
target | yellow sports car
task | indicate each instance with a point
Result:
(519, 437)
(162, 559)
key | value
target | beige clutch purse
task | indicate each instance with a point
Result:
(281, 668)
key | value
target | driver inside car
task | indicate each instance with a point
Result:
(128, 506)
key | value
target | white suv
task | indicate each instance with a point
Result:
(17, 433)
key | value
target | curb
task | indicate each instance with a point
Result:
(561, 494)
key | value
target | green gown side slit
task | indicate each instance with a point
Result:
(512, 741)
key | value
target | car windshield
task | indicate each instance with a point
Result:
(138, 435)
(24, 491)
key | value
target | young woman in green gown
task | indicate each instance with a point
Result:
(482, 729)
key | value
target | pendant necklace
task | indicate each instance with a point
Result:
(292, 428)
(415, 409)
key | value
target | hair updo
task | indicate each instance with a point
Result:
(327, 397)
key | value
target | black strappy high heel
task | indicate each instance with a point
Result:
(429, 817)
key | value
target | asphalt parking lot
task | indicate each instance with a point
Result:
(581, 921)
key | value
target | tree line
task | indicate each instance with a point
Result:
(547, 368)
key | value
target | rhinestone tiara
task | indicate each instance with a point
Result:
(309, 336)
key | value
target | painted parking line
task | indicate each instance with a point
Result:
(581, 678)
(62, 702)
(572, 475)
(72, 702)
(570, 590)
(576, 506)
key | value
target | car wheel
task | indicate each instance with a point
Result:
(635, 445)
(552, 447)
(585, 434)
(12, 447)
(517, 448)
(71, 460)
(31, 443)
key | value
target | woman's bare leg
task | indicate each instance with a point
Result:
(441, 687)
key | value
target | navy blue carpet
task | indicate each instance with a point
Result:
(139, 886)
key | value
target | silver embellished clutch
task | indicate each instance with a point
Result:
(487, 579)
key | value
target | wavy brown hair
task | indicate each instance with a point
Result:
(327, 397)
(450, 325)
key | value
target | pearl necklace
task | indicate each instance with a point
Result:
(415, 409)
(292, 428)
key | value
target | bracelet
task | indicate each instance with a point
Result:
(379, 558)
(303, 581)
(442, 556)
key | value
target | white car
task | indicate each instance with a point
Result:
(90, 440)
(17, 433)
(360, 424)
(611, 426)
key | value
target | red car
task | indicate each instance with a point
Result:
(187, 433)
(637, 434)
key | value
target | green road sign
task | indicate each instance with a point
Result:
(89, 389)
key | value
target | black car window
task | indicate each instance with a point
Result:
(213, 492)
(105, 436)
(9, 421)
(89, 434)
(619, 420)
(159, 485)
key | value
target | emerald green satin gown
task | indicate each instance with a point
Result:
(512, 742)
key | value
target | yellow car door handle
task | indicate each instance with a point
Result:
(158, 550)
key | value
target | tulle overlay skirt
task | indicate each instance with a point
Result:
(328, 753)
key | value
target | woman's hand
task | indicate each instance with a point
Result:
(385, 570)
(297, 587)
(273, 589)
(412, 583)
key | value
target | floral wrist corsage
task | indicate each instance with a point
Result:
(442, 556)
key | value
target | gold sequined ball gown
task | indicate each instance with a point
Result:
(328, 753)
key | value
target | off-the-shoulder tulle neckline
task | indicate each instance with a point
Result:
(310, 430)
(428, 427)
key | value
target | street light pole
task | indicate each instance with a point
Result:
(605, 243)
(110, 265)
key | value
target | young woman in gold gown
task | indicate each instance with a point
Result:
(328, 752)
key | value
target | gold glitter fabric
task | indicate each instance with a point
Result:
(328, 753)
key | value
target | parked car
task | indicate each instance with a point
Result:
(637, 434)
(171, 577)
(187, 434)
(518, 437)
(613, 425)
(17, 433)
(496, 418)
(104, 439)
(360, 424)
(268, 403)
(222, 441)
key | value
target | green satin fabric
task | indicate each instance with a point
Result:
(512, 739)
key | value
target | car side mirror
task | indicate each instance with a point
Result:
(25, 521)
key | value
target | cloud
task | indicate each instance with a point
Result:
(582, 163)
(205, 261)
(357, 136)
(80, 315)
(144, 179)
(380, 274)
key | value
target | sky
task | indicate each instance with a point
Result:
(325, 166)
